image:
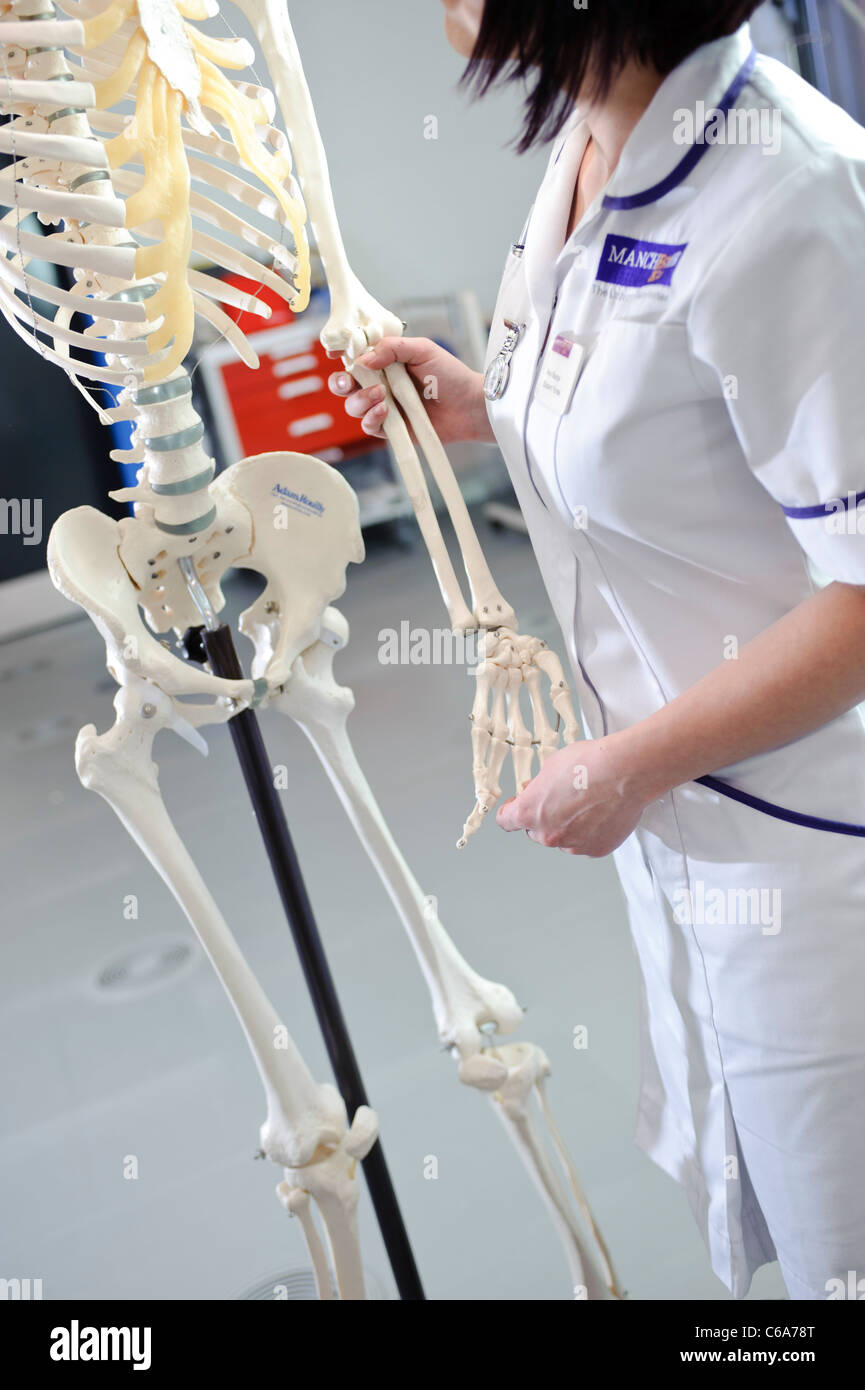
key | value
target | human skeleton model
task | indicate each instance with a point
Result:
(131, 199)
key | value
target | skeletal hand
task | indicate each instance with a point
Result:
(582, 801)
(509, 663)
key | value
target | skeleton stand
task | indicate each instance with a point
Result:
(215, 642)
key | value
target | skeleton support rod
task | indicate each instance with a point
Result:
(257, 773)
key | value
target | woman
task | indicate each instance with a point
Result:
(684, 423)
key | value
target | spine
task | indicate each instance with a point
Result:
(168, 434)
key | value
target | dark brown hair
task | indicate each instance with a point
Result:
(562, 50)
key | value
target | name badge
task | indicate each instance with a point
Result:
(560, 372)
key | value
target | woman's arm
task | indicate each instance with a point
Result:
(803, 671)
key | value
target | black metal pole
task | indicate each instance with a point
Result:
(258, 775)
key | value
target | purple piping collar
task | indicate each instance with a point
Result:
(694, 154)
(838, 827)
(824, 508)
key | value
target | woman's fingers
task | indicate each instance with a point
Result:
(359, 402)
(511, 815)
(411, 351)
(341, 384)
(366, 405)
(373, 421)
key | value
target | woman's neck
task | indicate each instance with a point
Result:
(610, 122)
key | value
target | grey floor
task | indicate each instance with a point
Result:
(120, 1051)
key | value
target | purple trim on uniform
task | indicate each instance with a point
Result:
(825, 508)
(695, 153)
(838, 827)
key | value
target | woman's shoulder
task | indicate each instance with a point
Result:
(793, 168)
(809, 124)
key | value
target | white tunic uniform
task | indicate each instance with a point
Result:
(715, 442)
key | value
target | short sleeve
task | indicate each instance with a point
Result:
(779, 322)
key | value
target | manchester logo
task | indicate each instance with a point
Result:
(634, 264)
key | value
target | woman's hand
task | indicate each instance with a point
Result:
(807, 668)
(452, 393)
(581, 801)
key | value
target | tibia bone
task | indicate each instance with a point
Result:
(528, 1068)
(296, 1201)
(331, 1179)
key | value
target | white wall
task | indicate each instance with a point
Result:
(420, 217)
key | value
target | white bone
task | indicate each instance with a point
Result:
(305, 1130)
(462, 1000)
(59, 249)
(228, 328)
(16, 141)
(528, 1069)
(33, 33)
(221, 218)
(464, 1003)
(353, 309)
(243, 191)
(490, 609)
(85, 9)
(559, 692)
(548, 739)
(28, 315)
(508, 661)
(297, 1203)
(228, 258)
(85, 566)
(77, 300)
(112, 123)
(408, 463)
(306, 531)
(520, 738)
(24, 92)
(107, 212)
(169, 46)
(216, 288)
(73, 369)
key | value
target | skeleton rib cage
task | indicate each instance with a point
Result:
(160, 166)
(131, 198)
